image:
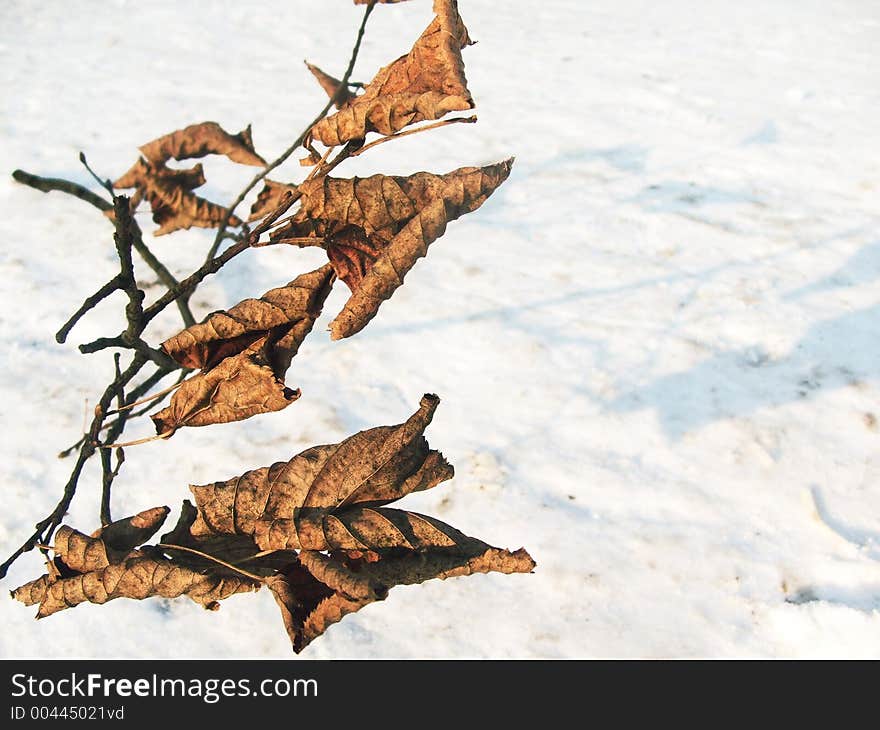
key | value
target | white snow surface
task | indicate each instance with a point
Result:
(657, 345)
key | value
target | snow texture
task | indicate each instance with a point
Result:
(657, 345)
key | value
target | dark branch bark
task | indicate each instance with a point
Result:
(123, 239)
(48, 184)
(89, 303)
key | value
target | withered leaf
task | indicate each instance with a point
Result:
(331, 85)
(239, 387)
(202, 552)
(169, 193)
(374, 229)
(198, 140)
(312, 529)
(332, 587)
(269, 198)
(188, 178)
(286, 315)
(426, 84)
(88, 569)
(140, 576)
(290, 505)
(126, 534)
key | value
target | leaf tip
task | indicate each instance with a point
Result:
(429, 402)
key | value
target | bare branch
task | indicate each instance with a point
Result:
(48, 184)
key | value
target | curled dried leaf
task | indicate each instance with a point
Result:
(126, 534)
(215, 553)
(169, 193)
(241, 386)
(285, 315)
(339, 585)
(100, 568)
(331, 85)
(140, 576)
(269, 198)
(284, 506)
(136, 176)
(198, 140)
(374, 229)
(426, 84)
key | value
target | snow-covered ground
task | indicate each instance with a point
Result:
(657, 345)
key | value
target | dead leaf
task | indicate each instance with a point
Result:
(375, 228)
(198, 140)
(269, 198)
(126, 534)
(140, 576)
(330, 84)
(239, 387)
(203, 552)
(286, 506)
(89, 570)
(333, 587)
(169, 193)
(188, 178)
(311, 529)
(426, 84)
(286, 315)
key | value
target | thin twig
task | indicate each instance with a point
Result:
(123, 239)
(165, 276)
(48, 184)
(106, 184)
(397, 135)
(137, 442)
(149, 398)
(108, 473)
(90, 303)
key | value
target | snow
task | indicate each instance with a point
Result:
(656, 345)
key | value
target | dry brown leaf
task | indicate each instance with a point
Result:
(286, 315)
(169, 193)
(285, 506)
(88, 569)
(241, 386)
(141, 576)
(425, 84)
(270, 197)
(202, 552)
(375, 228)
(245, 533)
(198, 140)
(330, 588)
(330, 84)
(188, 178)
(126, 534)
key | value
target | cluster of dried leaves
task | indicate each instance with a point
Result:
(373, 229)
(169, 190)
(315, 530)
